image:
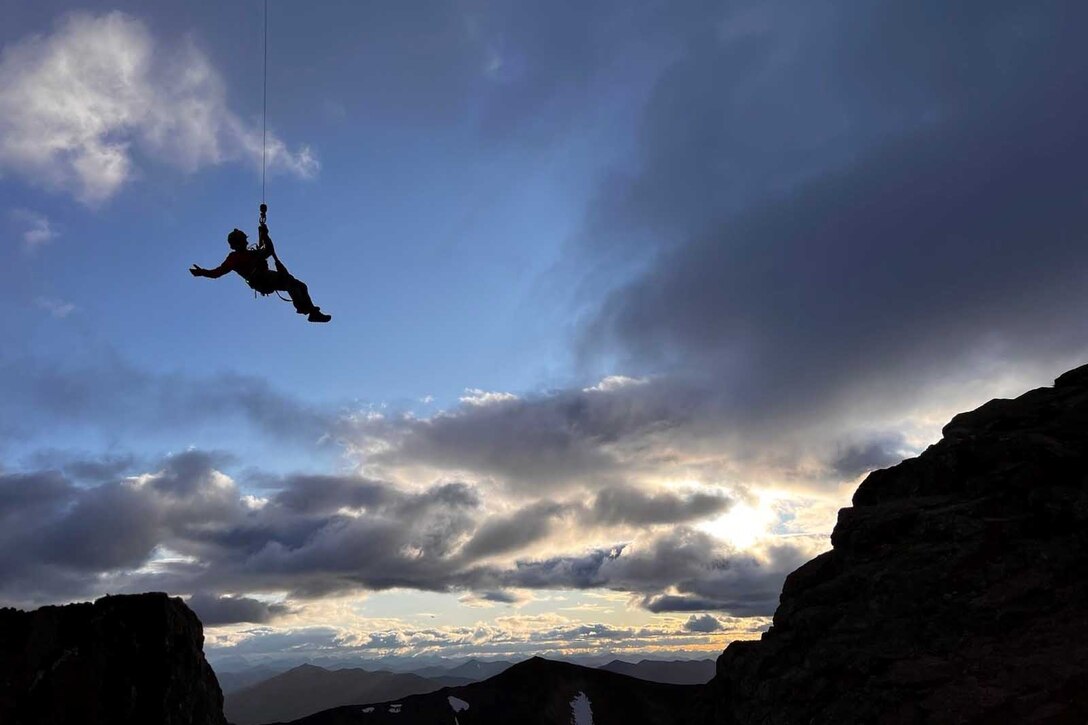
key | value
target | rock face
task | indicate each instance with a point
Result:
(124, 660)
(956, 592)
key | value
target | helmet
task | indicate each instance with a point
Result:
(237, 239)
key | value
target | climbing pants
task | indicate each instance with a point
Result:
(267, 282)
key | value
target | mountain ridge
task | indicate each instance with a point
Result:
(308, 689)
(954, 590)
(533, 692)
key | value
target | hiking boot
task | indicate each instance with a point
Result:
(318, 316)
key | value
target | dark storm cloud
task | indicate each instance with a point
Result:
(216, 610)
(859, 198)
(562, 572)
(327, 494)
(549, 439)
(60, 538)
(755, 603)
(703, 623)
(99, 469)
(501, 534)
(494, 597)
(57, 537)
(111, 526)
(185, 474)
(837, 208)
(25, 494)
(878, 452)
(186, 528)
(704, 574)
(625, 505)
(405, 540)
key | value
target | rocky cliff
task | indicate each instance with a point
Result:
(123, 660)
(956, 591)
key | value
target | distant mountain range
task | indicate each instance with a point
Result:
(233, 681)
(673, 672)
(534, 692)
(474, 670)
(308, 689)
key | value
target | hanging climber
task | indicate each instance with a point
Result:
(252, 266)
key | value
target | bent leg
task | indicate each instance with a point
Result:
(300, 294)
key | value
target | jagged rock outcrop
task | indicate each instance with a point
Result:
(956, 591)
(123, 660)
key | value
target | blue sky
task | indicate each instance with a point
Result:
(625, 300)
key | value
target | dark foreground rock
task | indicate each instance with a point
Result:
(124, 660)
(534, 692)
(956, 592)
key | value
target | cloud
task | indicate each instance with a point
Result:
(310, 494)
(186, 527)
(475, 396)
(30, 493)
(703, 623)
(503, 534)
(38, 230)
(554, 439)
(629, 506)
(918, 226)
(266, 641)
(80, 105)
(59, 539)
(508, 637)
(55, 307)
(877, 452)
(110, 527)
(217, 610)
(105, 392)
(483, 599)
(677, 570)
(98, 469)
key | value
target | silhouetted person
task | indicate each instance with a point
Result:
(252, 266)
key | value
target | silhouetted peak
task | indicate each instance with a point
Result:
(955, 589)
(1077, 377)
(123, 660)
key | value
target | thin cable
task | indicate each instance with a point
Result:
(264, 108)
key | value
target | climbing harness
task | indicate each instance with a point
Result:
(280, 266)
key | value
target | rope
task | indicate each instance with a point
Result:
(264, 107)
(264, 135)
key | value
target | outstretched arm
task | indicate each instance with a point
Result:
(198, 271)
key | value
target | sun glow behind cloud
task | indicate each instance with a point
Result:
(745, 523)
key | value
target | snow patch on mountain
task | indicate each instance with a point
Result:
(581, 710)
